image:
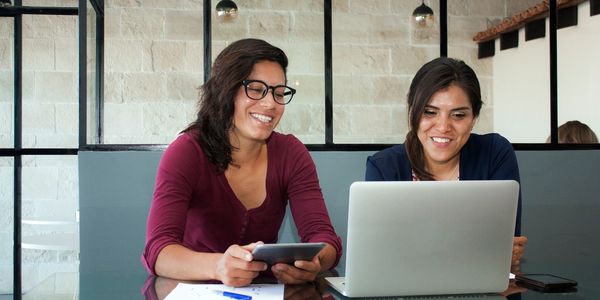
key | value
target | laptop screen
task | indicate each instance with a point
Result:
(429, 237)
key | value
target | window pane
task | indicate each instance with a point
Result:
(578, 75)
(6, 224)
(51, 3)
(50, 232)
(515, 81)
(377, 49)
(50, 81)
(297, 28)
(153, 68)
(6, 82)
(91, 78)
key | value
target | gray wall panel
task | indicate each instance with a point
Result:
(115, 189)
(560, 207)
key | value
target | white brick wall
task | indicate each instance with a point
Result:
(153, 65)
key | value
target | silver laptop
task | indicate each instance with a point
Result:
(428, 238)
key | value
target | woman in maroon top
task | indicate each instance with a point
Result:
(223, 185)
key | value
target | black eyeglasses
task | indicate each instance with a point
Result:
(257, 89)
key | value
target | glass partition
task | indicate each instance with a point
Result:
(153, 52)
(51, 3)
(297, 28)
(514, 74)
(6, 224)
(50, 225)
(93, 117)
(7, 83)
(50, 81)
(377, 49)
(578, 74)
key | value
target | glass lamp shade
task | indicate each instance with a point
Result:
(423, 16)
(226, 9)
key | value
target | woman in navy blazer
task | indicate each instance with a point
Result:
(444, 102)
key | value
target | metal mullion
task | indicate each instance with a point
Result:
(38, 151)
(18, 143)
(328, 46)
(99, 71)
(443, 28)
(553, 73)
(82, 73)
(98, 6)
(207, 31)
(17, 9)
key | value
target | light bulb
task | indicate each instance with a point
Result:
(226, 9)
(423, 16)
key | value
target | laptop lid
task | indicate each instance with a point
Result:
(429, 237)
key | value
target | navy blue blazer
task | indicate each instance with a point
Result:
(483, 157)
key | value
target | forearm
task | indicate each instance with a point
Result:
(327, 257)
(178, 262)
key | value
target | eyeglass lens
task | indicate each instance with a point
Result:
(257, 90)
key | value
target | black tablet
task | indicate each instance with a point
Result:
(286, 253)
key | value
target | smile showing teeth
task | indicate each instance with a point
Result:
(440, 140)
(262, 118)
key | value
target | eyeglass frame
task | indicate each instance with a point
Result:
(246, 82)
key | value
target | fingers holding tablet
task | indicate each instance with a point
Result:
(286, 252)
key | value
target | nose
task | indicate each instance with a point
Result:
(443, 123)
(269, 99)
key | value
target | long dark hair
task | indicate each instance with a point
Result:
(217, 103)
(434, 76)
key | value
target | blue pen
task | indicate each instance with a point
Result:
(233, 295)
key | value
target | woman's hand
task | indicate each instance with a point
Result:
(302, 271)
(236, 268)
(519, 243)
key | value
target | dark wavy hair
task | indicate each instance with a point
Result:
(432, 77)
(217, 103)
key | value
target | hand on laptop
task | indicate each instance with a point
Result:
(519, 243)
(302, 271)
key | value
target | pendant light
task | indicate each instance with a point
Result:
(226, 9)
(423, 15)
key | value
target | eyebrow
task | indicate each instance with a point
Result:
(454, 109)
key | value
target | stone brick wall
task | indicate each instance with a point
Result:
(153, 67)
(154, 63)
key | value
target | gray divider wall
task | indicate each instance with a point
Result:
(560, 207)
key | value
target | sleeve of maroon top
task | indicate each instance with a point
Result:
(175, 177)
(306, 199)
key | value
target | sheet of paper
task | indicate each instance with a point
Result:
(511, 276)
(215, 291)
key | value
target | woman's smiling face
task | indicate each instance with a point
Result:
(255, 120)
(445, 125)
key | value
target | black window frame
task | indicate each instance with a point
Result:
(328, 144)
